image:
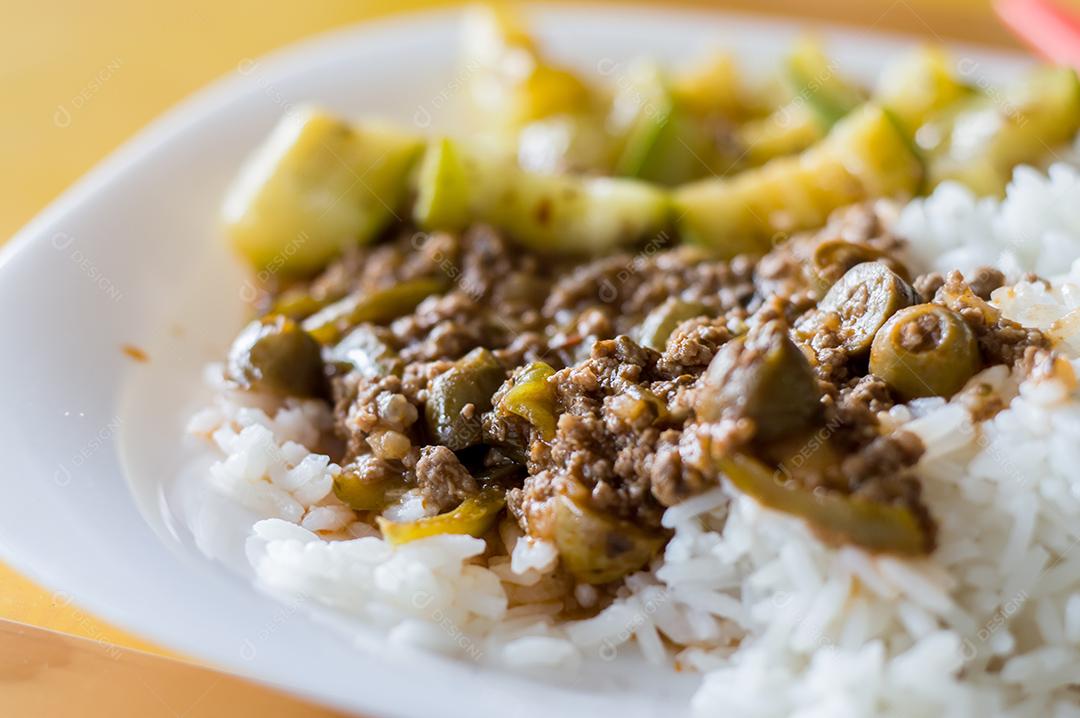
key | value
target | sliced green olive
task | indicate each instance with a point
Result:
(864, 298)
(532, 398)
(836, 517)
(360, 494)
(274, 354)
(365, 351)
(834, 257)
(762, 376)
(925, 350)
(474, 516)
(472, 382)
(662, 321)
(328, 324)
(596, 547)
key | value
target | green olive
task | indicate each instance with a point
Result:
(833, 257)
(662, 321)
(595, 547)
(275, 355)
(925, 350)
(864, 298)
(762, 376)
(458, 397)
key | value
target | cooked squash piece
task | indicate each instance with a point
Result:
(316, 186)
(547, 213)
(865, 156)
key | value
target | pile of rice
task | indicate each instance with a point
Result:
(776, 623)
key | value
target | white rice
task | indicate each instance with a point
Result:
(777, 623)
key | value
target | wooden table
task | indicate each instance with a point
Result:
(77, 79)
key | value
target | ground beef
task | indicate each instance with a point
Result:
(371, 407)
(618, 437)
(693, 344)
(442, 479)
(620, 290)
(868, 395)
(985, 281)
(1000, 341)
(922, 334)
(790, 269)
(627, 436)
(927, 285)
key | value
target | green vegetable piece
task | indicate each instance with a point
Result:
(547, 213)
(834, 257)
(836, 517)
(532, 398)
(595, 547)
(298, 303)
(765, 377)
(980, 143)
(377, 307)
(507, 80)
(666, 143)
(925, 350)
(864, 298)
(788, 130)
(475, 517)
(365, 351)
(919, 85)
(863, 157)
(458, 397)
(273, 354)
(662, 321)
(713, 86)
(316, 186)
(361, 495)
(442, 198)
(814, 78)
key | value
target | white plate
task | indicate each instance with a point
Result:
(131, 255)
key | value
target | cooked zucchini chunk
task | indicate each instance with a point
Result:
(547, 213)
(865, 156)
(818, 97)
(786, 131)
(918, 86)
(508, 81)
(981, 142)
(518, 100)
(317, 186)
(713, 86)
(814, 79)
(666, 142)
(442, 189)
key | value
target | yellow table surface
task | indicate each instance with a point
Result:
(78, 77)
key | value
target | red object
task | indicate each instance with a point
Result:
(1050, 30)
